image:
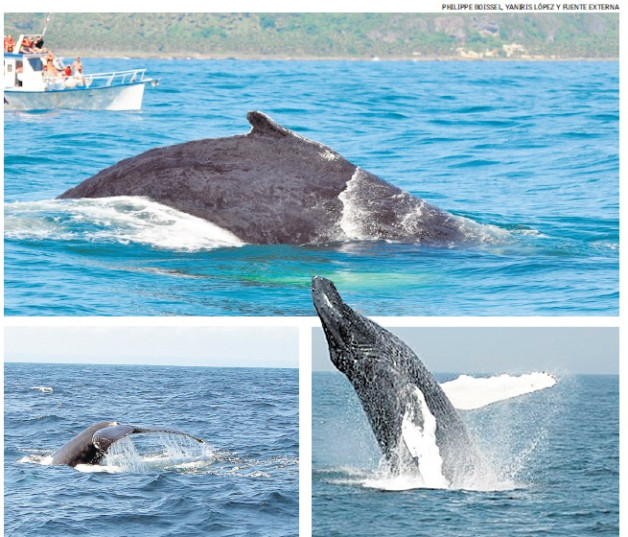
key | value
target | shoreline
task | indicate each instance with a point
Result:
(241, 57)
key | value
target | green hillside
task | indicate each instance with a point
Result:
(326, 35)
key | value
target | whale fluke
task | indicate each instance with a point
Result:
(91, 445)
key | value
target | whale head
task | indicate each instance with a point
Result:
(349, 334)
(356, 344)
(380, 367)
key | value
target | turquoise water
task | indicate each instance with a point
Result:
(557, 452)
(245, 483)
(531, 148)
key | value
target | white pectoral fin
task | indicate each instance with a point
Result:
(468, 393)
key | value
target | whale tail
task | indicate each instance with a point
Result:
(104, 438)
(91, 445)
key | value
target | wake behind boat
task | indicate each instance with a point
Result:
(35, 80)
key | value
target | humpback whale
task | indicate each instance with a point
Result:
(407, 409)
(273, 186)
(91, 445)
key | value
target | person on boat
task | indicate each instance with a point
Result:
(49, 68)
(38, 44)
(68, 80)
(77, 68)
(9, 44)
(27, 46)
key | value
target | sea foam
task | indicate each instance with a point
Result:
(123, 219)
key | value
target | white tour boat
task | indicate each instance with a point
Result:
(28, 86)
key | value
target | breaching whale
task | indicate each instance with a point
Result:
(406, 407)
(273, 186)
(91, 445)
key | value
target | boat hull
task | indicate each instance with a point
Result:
(124, 97)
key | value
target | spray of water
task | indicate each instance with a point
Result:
(141, 453)
(123, 455)
(163, 452)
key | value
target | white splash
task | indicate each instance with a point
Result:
(481, 233)
(98, 469)
(122, 456)
(139, 453)
(144, 452)
(467, 393)
(43, 460)
(500, 460)
(122, 219)
(418, 435)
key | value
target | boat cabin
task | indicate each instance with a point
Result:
(24, 71)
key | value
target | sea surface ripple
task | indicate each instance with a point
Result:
(248, 486)
(529, 147)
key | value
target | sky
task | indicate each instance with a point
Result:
(155, 345)
(503, 350)
(574, 350)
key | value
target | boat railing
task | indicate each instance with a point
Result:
(116, 78)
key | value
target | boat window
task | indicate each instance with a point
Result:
(35, 64)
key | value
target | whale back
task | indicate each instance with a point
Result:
(272, 186)
(268, 186)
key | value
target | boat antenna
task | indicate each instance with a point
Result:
(46, 24)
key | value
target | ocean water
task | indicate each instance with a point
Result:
(243, 481)
(531, 148)
(555, 453)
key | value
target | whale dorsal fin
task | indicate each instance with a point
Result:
(265, 126)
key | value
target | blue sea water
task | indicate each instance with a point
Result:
(529, 147)
(245, 483)
(557, 449)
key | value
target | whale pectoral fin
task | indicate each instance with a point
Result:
(469, 393)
